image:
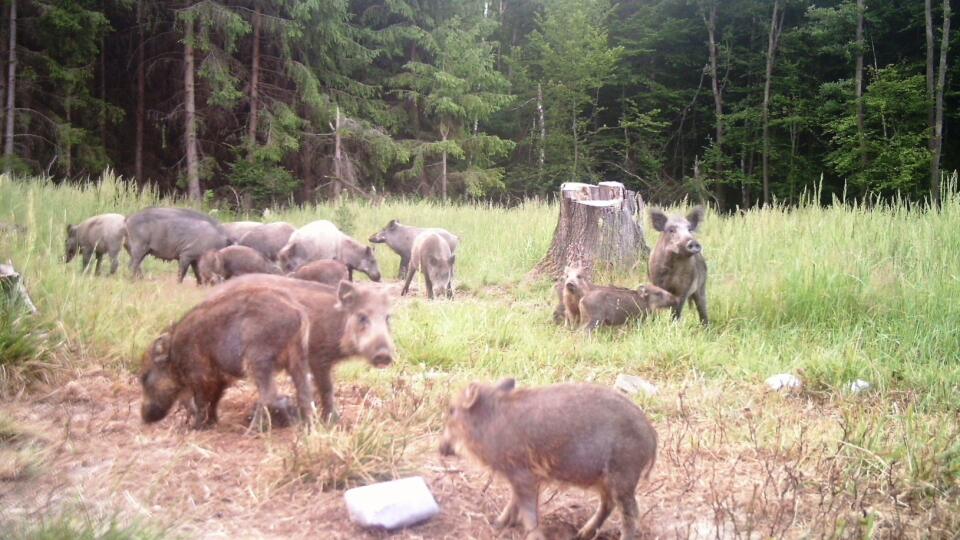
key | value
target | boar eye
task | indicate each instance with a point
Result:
(363, 319)
(671, 229)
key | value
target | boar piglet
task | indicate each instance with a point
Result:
(326, 271)
(432, 257)
(677, 263)
(579, 434)
(613, 306)
(571, 288)
(220, 265)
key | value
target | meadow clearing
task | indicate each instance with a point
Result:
(832, 293)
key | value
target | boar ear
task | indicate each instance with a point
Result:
(507, 385)
(470, 397)
(658, 218)
(695, 217)
(369, 251)
(160, 350)
(393, 224)
(346, 294)
(453, 260)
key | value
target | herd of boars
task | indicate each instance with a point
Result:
(285, 301)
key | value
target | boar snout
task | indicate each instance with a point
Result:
(152, 412)
(446, 448)
(694, 247)
(383, 357)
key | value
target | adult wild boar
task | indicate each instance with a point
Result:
(400, 239)
(431, 256)
(232, 261)
(256, 325)
(324, 271)
(268, 238)
(352, 319)
(236, 229)
(677, 263)
(323, 240)
(579, 434)
(96, 236)
(612, 306)
(173, 234)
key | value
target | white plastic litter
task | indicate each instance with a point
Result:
(859, 385)
(631, 384)
(784, 381)
(391, 505)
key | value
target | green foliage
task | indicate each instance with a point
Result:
(266, 182)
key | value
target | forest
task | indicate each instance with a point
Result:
(254, 103)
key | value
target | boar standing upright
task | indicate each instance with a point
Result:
(97, 235)
(613, 306)
(570, 289)
(579, 434)
(259, 324)
(323, 240)
(400, 239)
(677, 263)
(431, 256)
(325, 271)
(232, 261)
(268, 238)
(173, 234)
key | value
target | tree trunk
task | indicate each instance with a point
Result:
(67, 149)
(711, 22)
(543, 133)
(858, 84)
(576, 149)
(776, 25)
(337, 159)
(190, 120)
(443, 164)
(11, 90)
(598, 229)
(938, 121)
(141, 97)
(254, 89)
(931, 81)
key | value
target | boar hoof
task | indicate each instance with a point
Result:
(507, 518)
(535, 534)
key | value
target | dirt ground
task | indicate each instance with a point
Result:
(223, 483)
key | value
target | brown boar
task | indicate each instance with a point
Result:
(570, 289)
(677, 263)
(612, 306)
(350, 320)
(220, 265)
(326, 271)
(432, 257)
(579, 434)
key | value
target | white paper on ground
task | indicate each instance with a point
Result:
(391, 505)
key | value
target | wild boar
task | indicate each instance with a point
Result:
(400, 239)
(579, 434)
(570, 289)
(268, 238)
(323, 240)
(173, 234)
(677, 263)
(232, 261)
(431, 256)
(95, 236)
(612, 306)
(236, 229)
(352, 319)
(325, 271)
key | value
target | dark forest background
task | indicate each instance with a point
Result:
(734, 102)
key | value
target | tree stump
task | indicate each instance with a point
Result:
(598, 229)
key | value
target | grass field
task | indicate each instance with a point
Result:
(833, 294)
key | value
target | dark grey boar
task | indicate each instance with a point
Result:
(579, 434)
(232, 261)
(323, 240)
(677, 263)
(431, 256)
(268, 238)
(400, 239)
(256, 325)
(613, 306)
(350, 320)
(570, 289)
(96, 236)
(236, 229)
(173, 234)
(325, 271)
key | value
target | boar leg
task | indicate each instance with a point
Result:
(114, 263)
(508, 518)
(404, 264)
(87, 253)
(298, 373)
(526, 491)
(137, 254)
(96, 270)
(678, 309)
(323, 378)
(411, 271)
(184, 265)
(603, 512)
(700, 299)
(630, 512)
(428, 284)
(206, 400)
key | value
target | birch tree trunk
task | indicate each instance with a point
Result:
(11, 90)
(776, 25)
(938, 120)
(711, 22)
(190, 120)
